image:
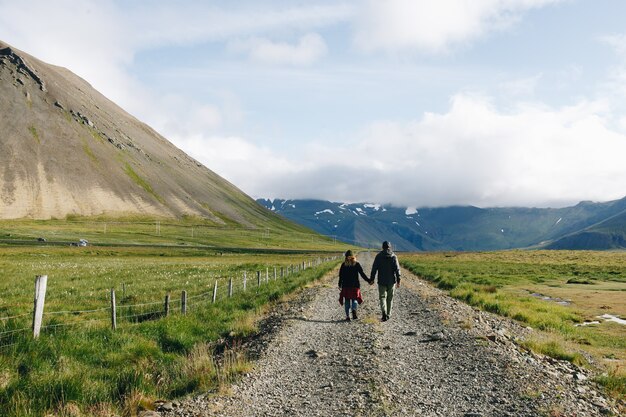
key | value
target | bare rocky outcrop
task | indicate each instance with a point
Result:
(9, 58)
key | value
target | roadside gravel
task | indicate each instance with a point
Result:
(435, 357)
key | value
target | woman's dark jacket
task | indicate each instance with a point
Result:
(349, 275)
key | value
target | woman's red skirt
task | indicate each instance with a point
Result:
(350, 293)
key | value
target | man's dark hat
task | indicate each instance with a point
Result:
(349, 253)
(386, 245)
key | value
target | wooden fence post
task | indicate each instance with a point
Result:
(113, 310)
(258, 278)
(41, 283)
(274, 273)
(267, 275)
(183, 302)
(282, 272)
(230, 287)
(215, 292)
(167, 304)
(245, 279)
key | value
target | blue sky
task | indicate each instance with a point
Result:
(409, 102)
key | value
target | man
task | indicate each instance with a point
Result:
(388, 269)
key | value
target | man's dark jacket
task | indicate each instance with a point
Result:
(387, 266)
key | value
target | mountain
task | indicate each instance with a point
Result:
(606, 234)
(65, 149)
(584, 226)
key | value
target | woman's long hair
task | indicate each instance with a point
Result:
(350, 260)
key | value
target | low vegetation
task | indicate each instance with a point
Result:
(142, 182)
(34, 133)
(80, 366)
(543, 290)
(136, 230)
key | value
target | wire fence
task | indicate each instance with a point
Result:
(15, 330)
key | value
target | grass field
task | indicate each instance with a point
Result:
(79, 278)
(94, 370)
(552, 291)
(80, 366)
(144, 231)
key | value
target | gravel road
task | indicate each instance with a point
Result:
(435, 357)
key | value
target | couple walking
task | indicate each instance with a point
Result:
(388, 270)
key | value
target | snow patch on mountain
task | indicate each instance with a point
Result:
(376, 207)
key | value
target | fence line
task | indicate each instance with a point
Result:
(225, 286)
(9, 332)
(15, 317)
(75, 312)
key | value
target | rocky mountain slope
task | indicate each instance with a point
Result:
(586, 225)
(65, 149)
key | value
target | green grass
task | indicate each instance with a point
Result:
(555, 350)
(79, 366)
(614, 383)
(90, 367)
(88, 150)
(34, 133)
(142, 183)
(135, 230)
(80, 278)
(503, 283)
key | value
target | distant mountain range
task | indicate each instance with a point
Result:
(587, 225)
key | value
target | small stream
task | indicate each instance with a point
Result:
(557, 300)
(564, 302)
(605, 317)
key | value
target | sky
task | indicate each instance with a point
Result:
(404, 102)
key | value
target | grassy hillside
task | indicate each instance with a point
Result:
(607, 234)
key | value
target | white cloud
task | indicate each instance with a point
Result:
(177, 115)
(193, 22)
(250, 167)
(98, 40)
(309, 49)
(435, 26)
(88, 37)
(615, 85)
(617, 42)
(472, 154)
(521, 86)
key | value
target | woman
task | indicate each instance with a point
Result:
(349, 284)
